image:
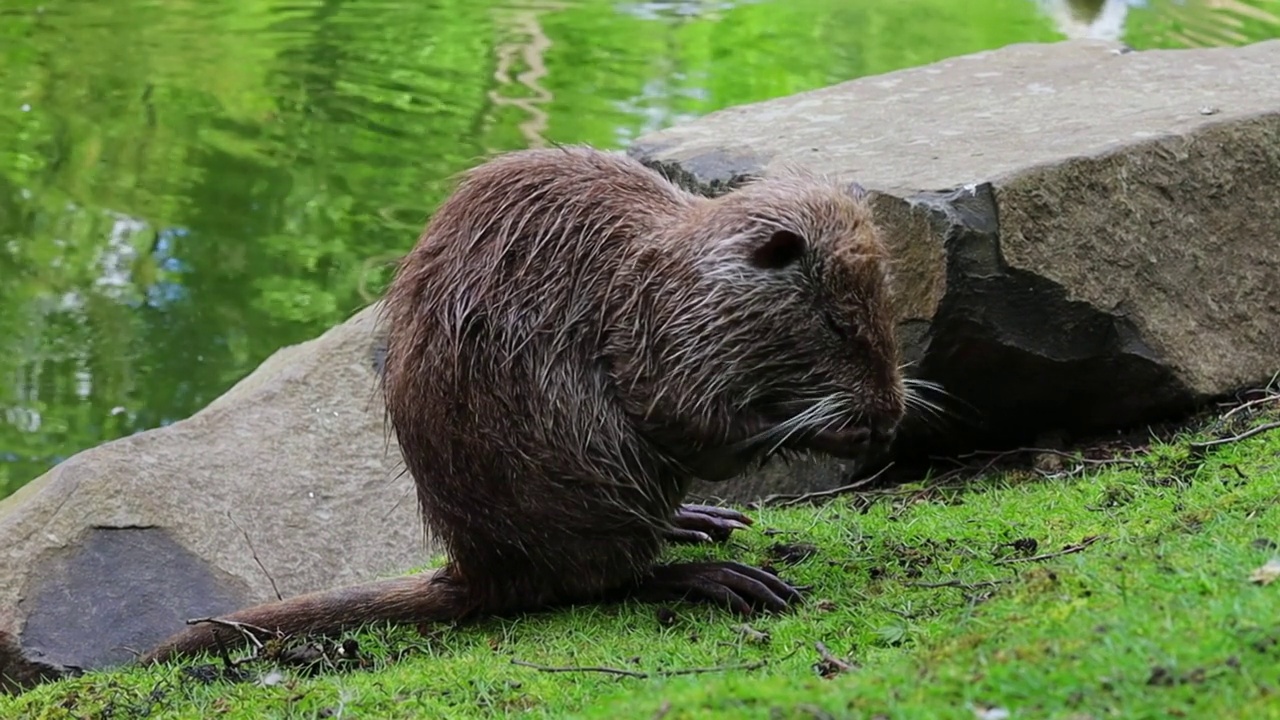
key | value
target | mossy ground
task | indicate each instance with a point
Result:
(931, 591)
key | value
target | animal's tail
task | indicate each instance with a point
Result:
(415, 598)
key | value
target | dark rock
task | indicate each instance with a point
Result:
(116, 591)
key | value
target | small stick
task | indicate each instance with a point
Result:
(752, 634)
(223, 653)
(1064, 551)
(831, 658)
(242, 628)
(642, 675)
(783, 500)
(1269, 392)
(254, 552)
(992, 453)
(1269, 397)
(753, 665)
(959, 460)
(1050, 451)
(957, 583)
(607, 670)
(1202, 446)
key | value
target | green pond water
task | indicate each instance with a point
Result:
(188, 185)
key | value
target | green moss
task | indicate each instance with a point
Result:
(929, 590)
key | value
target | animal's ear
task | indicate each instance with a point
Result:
(857, 191)
(778, 250)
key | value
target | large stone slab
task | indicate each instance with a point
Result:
(112, 549)
(1088, 237)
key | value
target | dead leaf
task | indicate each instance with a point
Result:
(1266, 574)
(751, 634)
(992, 712)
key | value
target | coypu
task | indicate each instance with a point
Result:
(572, 341)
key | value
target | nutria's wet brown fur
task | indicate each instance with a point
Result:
(572, 341)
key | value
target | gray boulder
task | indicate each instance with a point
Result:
(1087, 237)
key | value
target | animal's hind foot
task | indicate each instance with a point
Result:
(704, 523)
(744, 589)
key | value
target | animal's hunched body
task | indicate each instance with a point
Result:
(573, 341)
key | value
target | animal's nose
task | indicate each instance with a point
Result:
(883, 431)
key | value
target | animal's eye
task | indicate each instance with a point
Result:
(779, 250)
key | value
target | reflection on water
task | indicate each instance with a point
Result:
(1093, 19)
(1167, 23)
(187, 186)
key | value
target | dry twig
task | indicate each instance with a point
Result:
(783, 500)
(607, 670)
(999, 454)
(1068, 550)
(753, 665)
(831, 660)
(1269, 394)
(1270, 397)
(638, 674)
(254, 552)
(957, 583)
(242, 628)
(1079, 463)
(1201, 447)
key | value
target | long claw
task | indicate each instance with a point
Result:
(693, 523)
(742, 588)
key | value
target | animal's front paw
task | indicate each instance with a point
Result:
(705, 523)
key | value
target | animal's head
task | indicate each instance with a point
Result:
(790, 327)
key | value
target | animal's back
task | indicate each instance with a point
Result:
(497, 389)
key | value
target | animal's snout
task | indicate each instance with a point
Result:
(882, 431)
